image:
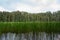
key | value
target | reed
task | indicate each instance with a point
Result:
(23, 27)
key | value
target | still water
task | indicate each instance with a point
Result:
(30, 36)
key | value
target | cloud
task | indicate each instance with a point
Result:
(35, 6)
(25, 7)
(1, 8)
(54, 6)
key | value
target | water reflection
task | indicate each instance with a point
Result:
(30, 36)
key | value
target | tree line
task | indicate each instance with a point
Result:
(17, 16)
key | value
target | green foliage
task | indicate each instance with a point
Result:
(18, 16)
(23, 27)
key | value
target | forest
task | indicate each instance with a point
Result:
(17, 16)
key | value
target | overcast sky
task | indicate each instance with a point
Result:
(32, 6)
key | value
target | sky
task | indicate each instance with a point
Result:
(32, 6)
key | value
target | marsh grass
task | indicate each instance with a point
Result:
(23, 27)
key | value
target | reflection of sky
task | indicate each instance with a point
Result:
(36, 5)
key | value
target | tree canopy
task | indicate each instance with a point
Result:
(17, 16)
